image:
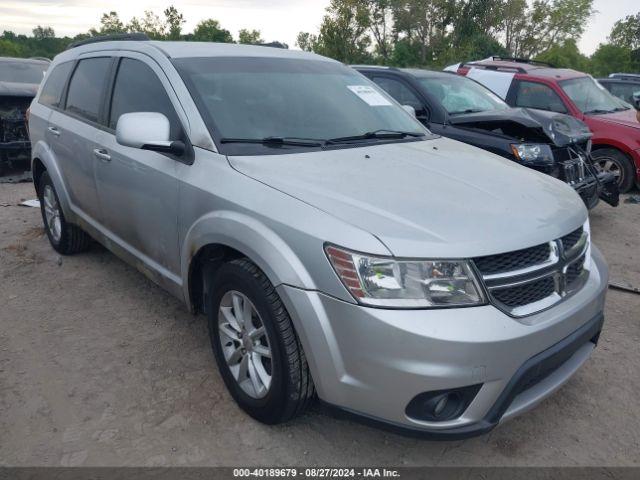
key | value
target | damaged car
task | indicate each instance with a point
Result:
(462, 109)
(19, 81)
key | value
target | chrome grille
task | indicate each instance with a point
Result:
(569, 241)
(527, 281)
(574, 270)
(525, 294)
(506, 262)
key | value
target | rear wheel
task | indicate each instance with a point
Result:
(257, 350)
(64, 237)
(614, 161)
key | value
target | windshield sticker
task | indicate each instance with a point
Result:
(369, 95)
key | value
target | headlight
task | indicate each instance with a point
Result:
(533, 153)
(387, 282)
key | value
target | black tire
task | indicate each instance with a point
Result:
(621, 162)
(291, 390)
(72, 238)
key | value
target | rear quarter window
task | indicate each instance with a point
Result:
(54, 83)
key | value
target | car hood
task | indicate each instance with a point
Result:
(526, 125)
(18, 89)
(627, 118)
(435, 198)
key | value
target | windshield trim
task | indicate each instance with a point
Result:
(260, 149)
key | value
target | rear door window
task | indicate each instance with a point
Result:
(55, 81)
(138, 89)
(538, 95)
(87, 88)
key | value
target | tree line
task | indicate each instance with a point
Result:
(404, 33)
(44, 43)
(435, 33)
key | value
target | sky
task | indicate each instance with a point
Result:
(277, 19)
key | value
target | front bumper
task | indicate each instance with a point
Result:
(373, 362)
(592, 190)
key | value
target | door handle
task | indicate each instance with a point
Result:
(54, 131)
(102, 154)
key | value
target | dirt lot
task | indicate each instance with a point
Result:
(100, 367)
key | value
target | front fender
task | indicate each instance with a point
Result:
(253, 239)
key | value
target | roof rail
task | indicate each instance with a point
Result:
(41, 59)
(493, 67)
(626, 76)
(522, 60)
(110, 38)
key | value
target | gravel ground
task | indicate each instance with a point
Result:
(100, 367)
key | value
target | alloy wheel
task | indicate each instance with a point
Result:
(608, 165)
(52, 213)
(245, 344)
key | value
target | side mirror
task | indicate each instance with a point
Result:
(636, 100)
(147, 131)
(409, 109)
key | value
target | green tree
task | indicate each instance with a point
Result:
(422, 27)
(210, 31)
(174, 21)
(609, 58)
(565, 55)
(343, 32)
(626, 32)
(151, 24)
(250, 37)
(43, 33)
(549, 23)
(9, 48)
(381, 25)
(110, 23)
(307, 41)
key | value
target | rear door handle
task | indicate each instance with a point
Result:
(102, 154)
(54, 131)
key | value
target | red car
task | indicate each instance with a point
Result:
(530, 84)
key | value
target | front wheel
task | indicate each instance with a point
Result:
(256, 347)
(610, 160)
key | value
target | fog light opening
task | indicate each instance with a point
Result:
(441, 405)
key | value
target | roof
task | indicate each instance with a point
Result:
(535, 69)
(184, 49)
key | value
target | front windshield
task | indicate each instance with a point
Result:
(22, 72)
(590, 97)
(461, 95)
(257, 98)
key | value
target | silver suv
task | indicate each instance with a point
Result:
(335, 245)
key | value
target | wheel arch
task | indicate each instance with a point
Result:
(221, 236)
(43, 160)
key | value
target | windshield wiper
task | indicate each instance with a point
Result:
(275, 141)
(468, 110)
(381, 134)
(598, 111)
